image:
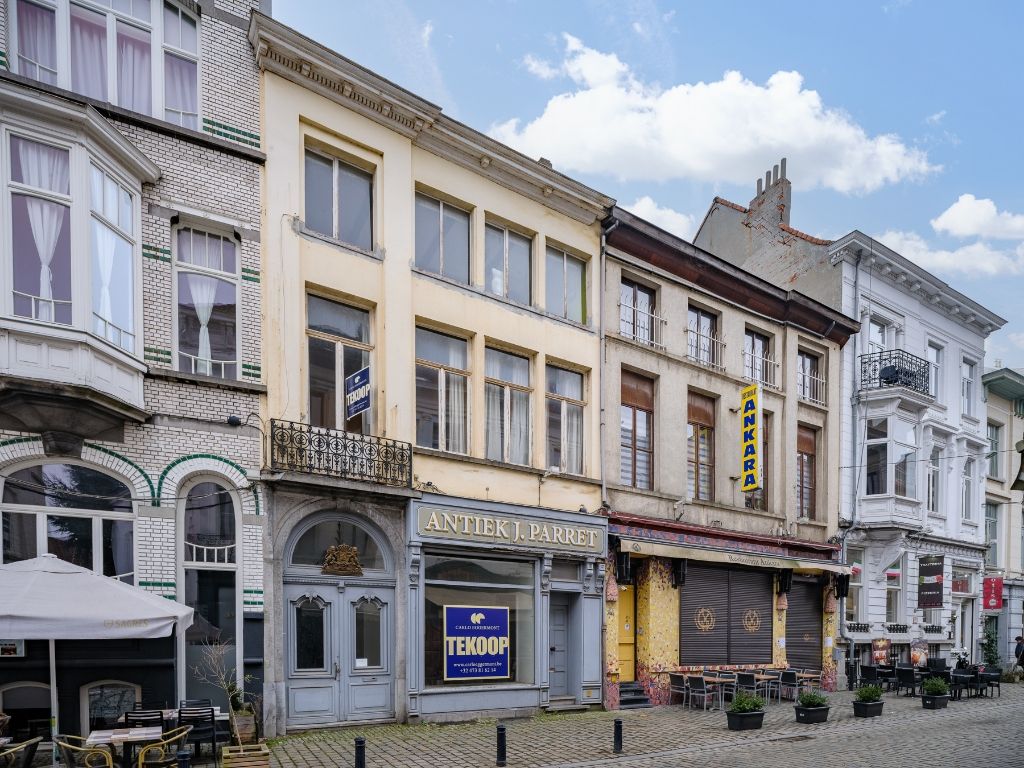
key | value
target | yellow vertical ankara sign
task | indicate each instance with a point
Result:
(750, 413)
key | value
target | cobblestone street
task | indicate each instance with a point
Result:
(976, 733)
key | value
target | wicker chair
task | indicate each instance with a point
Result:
(164, 754)
(75, 752)
(20, 755)
(5, 720)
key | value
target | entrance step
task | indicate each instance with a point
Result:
(632, 696)
(569, 706)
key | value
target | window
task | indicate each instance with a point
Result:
(810, 385)
(962, 582)
(992, 534)
(209, 526)
(934, 481)
(967, 388)
(338, 342)
(700, 444)
(636, 431)
(507, 264)
(702, 343)
(877, 469)
(507, 400)
(759, 499)
(114, 50)
(855, 557)
(934, 368)
(637, 318)
(339, 200)
(113, 272)
(103, 702)
(442, 239)
(564, 406)
(310, 635)
(90, 523)
(894, 591)
(878, 334)
(905, 453)
(994, 455)
(566, 286)
(441, 392)
(368, 634)
(758, 365)
(312, 546)
(806, 471)
(452, 580)
(207, 284)
(967, 490)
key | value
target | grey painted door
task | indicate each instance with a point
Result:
(312, 648)
(368, 675)
(558, 631)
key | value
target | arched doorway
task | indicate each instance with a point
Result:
(339, 602)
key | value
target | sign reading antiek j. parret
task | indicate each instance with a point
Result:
(750, 442)
(476, 642)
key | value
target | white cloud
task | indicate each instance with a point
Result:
(682, 224)
(723, 131)
(974, 260)
(540, 68)
(426, 33)
(970, 216)
(1017, 339)
(641, 30)
(936, 118)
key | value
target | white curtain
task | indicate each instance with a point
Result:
(88, 53)
(203, 290)
(180, 85)
(134, 77)
(574, 439)
(455, 412)
(519, 428)
(104, 247)
(44, 167)
(37, 42)
(495, 418)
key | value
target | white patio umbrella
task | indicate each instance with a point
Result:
(46, 598)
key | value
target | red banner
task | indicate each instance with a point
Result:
(992, 593)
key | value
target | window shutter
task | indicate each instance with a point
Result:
(701, 409)
(806, 440)
(637, 391)
(803, 625)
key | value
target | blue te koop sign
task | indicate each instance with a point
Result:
(357, 392)
(476, 644)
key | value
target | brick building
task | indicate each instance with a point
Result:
(130, 326)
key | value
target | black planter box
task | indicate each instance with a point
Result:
(867, 708)
(744, 721)
(934, 702)
(811, 714)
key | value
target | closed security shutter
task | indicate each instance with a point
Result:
(803, 625)
(704, 616)
(750, 617)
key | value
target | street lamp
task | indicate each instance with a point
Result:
(1018, 484)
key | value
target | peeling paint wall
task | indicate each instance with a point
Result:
(611, 637)
(657, 624)
(829, 632)
(781, 605)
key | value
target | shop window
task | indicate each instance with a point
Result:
(207, 283)
(104, 701)
(338, 342)
(507, 406)
(894, 591)
(700, 441)
(314, 543)
(442, 239)
(442, 378)
(507, 264)
(636, 431)
(564, 406)
(566, 281)
(855, 557)
(339, 200)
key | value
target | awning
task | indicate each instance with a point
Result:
(733, 558)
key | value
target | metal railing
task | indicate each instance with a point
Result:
(813, 389)
(115, 334)
(895, 368)
(762, 369)
(705, 349)
(332, 452)
(858, 626)
(641, 326)
(43, 309)
(212, 552)
(219, 369)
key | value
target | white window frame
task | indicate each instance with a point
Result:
(934, 368)
(155, 27)
(508, 388)
(968, 373)
(335, 233)
(810, 380)
(992, 556)
(994, 433)
(505, 232)
(177, 268)
(899, 590)
(442, 205)
(442, 397)
(933, 483)
(565, 403)
(856, 582)
(887, 470)
(886, 326)
(584, 297)
(967, 491)
(340, 342)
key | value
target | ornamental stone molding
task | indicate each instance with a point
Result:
(184, 467)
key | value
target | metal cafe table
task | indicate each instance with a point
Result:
(123, 737)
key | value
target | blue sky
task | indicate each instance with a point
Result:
(901, 118)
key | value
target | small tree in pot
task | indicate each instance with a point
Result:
(216, 668)
(934, 693)
(811, 707)
(868, 702)
(746, 713)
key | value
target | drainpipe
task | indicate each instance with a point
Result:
(606, 229)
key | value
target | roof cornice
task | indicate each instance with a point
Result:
(1005, 382)
(283, 51)
(914, 279)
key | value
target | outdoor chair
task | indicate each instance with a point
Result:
(992, 680)
(204, 728)
(729, 686)
(698, 688)
(809, 683)
(887, 677)
(677, 684)
(790, 682)
(20, 755)
(74, 752)
(747, 682)
(906, 678)
(868, 676)
(164, 754)
(150, 704)
(195, 703)
(144, 718)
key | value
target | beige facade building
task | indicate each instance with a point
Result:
(419, 268)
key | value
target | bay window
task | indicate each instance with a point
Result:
(112, 252)
(442, 377)
(564, 406)
(207, 274)
(905, 453)
(507, 398)
(877, 470)
(338, 339)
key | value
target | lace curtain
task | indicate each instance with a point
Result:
(44, 167)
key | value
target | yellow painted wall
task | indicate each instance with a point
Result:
(779, 628)
(657, 621)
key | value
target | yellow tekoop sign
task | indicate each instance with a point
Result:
(750, 413)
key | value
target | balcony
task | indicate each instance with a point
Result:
(895, 368)
(641, 325)
(761, 369)
(296, 447)
(705, 349)
(812, 388)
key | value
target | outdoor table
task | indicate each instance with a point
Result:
(965, 679)
(720, 682)
(123, 737)
(807, 676)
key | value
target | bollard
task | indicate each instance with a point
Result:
(617, 747)
(360, 752)
(502, 744)
(184, 758)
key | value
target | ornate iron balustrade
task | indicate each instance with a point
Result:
(858, 626)
(933, 629)
(895, 368)
(332, 452)
(897, 629)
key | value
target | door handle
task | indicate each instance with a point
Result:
(337, 669)
(553, 648)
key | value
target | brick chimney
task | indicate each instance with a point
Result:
(770, 206)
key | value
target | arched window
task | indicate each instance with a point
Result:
(209, 525)
(28, 704)
(93, 527)
(102, 702)
(312, 546)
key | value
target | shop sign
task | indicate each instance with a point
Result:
(506, 530)
(919, 652)
(750, 442)
(476, 642)
(880, 650)
(10, 649)
(357, 393)
(929, 584)
(992, 593)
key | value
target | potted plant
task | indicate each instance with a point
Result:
(811, 707)
(215, 669)
(746, 712)
(934, 693)
(868, 702)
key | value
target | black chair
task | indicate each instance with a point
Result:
(868, 676)
(676, 684)
(144, 718)
(992, 679)
(196, 703)
(20, 755)
(150, 704)
(747, 682)
(906, 677)
(204, 728)
(698, 688)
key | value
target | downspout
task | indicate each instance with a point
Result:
(605, 231)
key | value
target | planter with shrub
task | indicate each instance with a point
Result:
(934, 693)
(868, 702)
(811, 707)
(746, 712)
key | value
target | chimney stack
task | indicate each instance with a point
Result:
(782, 171)
(772, 200)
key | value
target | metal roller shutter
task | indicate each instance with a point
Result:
(704, 616)
(803, 625)
(750, 617)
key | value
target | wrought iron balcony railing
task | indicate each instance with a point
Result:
(895, 368)
(332, 452)
(858, 626)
